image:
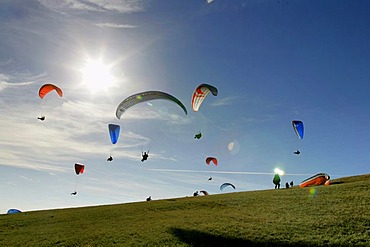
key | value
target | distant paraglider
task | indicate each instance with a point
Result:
(146, 96)
(318, 179)
(46, 89)
(114, 130)
(200, 94)
(299, 130)
(79, 169)
(224, 185)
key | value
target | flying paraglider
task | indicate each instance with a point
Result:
(79, 169)
(224, 185)
(146, 96)
(318, 179)
(299, 130)
(211, 159)
(200, 94)
(46, 89)
(114, 130)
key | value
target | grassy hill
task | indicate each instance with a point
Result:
(335, 215)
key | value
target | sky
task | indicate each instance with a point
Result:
(272, 61)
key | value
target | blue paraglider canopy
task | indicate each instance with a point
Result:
(113, 132)
(13, 211)
(298, 128)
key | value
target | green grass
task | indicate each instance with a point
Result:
(338, 215)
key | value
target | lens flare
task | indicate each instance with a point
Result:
(233, 147)
(312, 192)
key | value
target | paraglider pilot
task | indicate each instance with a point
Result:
(149, 198)
(145, 156)
(74, 193)
(196, 193)
(297, 152)
(210, 178)
(110, 158)
(42, 118)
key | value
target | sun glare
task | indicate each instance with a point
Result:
(97, 76)
(278, 171)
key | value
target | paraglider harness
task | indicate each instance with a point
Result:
(110, 158)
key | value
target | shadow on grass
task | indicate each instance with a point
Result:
(198, 238)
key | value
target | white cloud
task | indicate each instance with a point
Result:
(5, 82)
(225, 101)
(115, 25)
(121, 6)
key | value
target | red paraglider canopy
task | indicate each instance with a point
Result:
(213, 159)
(79, 168)
(46, 88)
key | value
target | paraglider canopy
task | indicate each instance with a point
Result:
(224, 185)
(204, 192)
(318, 179)
(211, 159)
(146, 96)
(298, 128)
(113, 132)
(47, 88)
(200, 94)
(79, 168)
(14, 211)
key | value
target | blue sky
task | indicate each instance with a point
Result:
(272, 62)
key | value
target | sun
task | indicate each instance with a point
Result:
(97, 75)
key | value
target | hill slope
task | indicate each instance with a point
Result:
(335, 215)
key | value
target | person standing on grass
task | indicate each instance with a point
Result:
(276, 181)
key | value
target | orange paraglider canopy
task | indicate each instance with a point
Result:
(79, 168)
(46, 88)
(213, 159)
(318, 179)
